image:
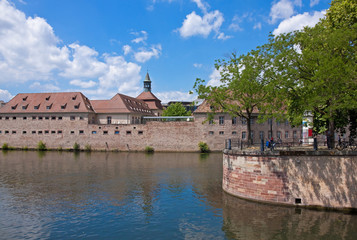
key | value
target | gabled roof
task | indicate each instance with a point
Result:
(121, 103)
(153, 102)
(205, 107)
(60, 102)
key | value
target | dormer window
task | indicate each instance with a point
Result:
(63, 106)
(25, 107)
(24, 98)
(36, 106)
(74, 98)
(48, 98)
(76, 106)
(14, 107)
(49, 107)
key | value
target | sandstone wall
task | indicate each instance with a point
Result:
(307, 178)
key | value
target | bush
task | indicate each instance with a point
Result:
(76, 147)
(5, 146)
(88, 148)
(149, 149)
(203, 147)
(41, 146)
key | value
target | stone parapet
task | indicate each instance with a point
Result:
(325, 179)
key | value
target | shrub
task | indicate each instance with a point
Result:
(26, 148)
(149, 149)
(5, 146)
(76, 147)
(60, 149)
(88, 148)
(41, 146)
(203, 147)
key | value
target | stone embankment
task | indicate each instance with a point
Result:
(321, 179)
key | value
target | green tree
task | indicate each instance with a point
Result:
(176, 109)
(317, 68)
(246, 87)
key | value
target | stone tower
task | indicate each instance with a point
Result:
(147, 83)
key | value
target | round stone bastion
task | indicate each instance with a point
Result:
(318, 179)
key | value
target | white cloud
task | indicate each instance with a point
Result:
(5, 95)
(214, 78)
(314, 2)
(166, 97)
(281, 10)
(145, 55)
(39, 87)
(197, 25)
(298, 22)
(197, 65)
(83, 84)
(127, 49)
(142, 36)
(201, 5)
(257, 26)
(222, 36)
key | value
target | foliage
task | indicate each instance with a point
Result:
(76, 147)
(41, 146)
(5, 146)
(88, 148)
(149, 149)
(246, 86)
(203, 147)
(176, 109)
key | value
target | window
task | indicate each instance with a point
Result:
(48, 98)
(39, 132)
(286, 134)
(47, 132)
(294, 134)
(72, 132)
(76, 106)
(6, 132)
(49, 107)
(278, 134)
(13, 118)
(210, 132)
(72, 118)
(244, 135)
(81, 131)
(261, 135)
(105, 132)
(244, 120)
(128, 132)
(0, 118)
(287, 123)
(53, 132)
(0, 131)
(24, 99)
(63, 106)
(59, 132)
(252, 121)
(24, 118)
(36, 107)
(252, 134)
(14, 107)
(270, 121)
(33, 132)
(24, 132)
(13, 132)
(221, 120)
(109, 120)
(53, 118)
(221, 133)
(210, 122)
(234, 120)
(269, 134)
(74, 98)
(24, 107)
(277, 123)
(47, 118)
(59, 118)
(33, 118)
(234, 133)
(81, 118)
(140, 132)
(39, 118)
(116, 132)
(94, 132)
(6, 118)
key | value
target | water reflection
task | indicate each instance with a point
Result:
(142, 196)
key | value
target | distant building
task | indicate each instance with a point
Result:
(2, 103)
(149, 98)
(189, 106)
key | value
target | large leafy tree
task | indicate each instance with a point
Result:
(176, 109)
(317, 68)
(244, 88)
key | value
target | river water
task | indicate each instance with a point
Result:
(54, 195)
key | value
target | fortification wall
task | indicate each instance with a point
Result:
(323, 179)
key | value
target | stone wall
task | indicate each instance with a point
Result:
(322, 179)
(162, 136)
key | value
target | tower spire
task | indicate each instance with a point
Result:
(147, 83)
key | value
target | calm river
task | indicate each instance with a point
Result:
(138, 196)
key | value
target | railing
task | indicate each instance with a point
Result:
(169, 119)
(287, 144)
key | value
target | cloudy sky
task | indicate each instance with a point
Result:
(101, 47)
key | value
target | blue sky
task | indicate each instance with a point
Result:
(101, 47)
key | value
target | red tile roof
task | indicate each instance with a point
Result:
(153, 102)
(61, 102)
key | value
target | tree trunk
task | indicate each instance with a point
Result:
(250, 140)
(330, 134)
